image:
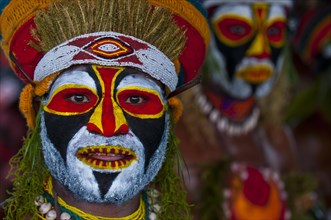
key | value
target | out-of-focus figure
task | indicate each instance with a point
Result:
(233, 134)
(100, 104)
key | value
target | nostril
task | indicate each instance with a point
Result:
(93, 128)
(124, 129)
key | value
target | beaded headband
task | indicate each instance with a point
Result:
(108, 49)
(16, 22)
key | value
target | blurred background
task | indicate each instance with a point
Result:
(304, 138)
(292, 139)
(12, 123)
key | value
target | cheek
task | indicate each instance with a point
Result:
(276, 54)
(61, 129)
(149, 132)
(232, 55)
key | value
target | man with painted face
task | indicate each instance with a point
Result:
(245, 59)
(101, 145)
(243, 84)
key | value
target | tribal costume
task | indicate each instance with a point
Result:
(104, 74)
(238, 113)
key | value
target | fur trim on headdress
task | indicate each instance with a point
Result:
(176, 107)
(29, 93)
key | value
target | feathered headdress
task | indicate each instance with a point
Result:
(166, 39)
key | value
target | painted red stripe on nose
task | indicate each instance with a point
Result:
(112, 118)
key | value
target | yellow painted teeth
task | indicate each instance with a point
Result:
(86, 156)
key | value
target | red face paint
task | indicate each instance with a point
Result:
(108, 118)
(68, 100)
(109, 105)
(141, 103)
(276, 33)
(233, 30)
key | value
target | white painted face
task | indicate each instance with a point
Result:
(247, 47)
(104, 131)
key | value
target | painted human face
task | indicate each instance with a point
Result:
(249, 39)
(104, 131)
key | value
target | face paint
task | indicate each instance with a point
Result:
(104, 131)
(248, 40)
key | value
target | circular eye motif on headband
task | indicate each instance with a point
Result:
(109, 48)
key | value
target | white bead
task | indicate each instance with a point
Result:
(44, 208)
(152, 216)
(156, 207)
(39, 200)
(51, 215)
(65, 216)
(227, 193)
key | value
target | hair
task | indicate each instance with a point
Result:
(29, 172)
(65, 20)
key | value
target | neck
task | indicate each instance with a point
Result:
(109, 210)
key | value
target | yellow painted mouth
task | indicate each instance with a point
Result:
(255, 74)
(106, 157)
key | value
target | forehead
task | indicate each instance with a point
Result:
(246, 10)
(88, 77)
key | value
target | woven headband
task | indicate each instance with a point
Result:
(210, 3)
(108, 49)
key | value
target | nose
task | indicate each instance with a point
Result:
(260, 47)
(108, 119)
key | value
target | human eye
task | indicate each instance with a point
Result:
(237, 29)
(276, 33)
(141, 102)
(71, 100)
(136, 100)
(233, 30)
(78, 98)
(273, 31)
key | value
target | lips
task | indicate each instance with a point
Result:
(255, 74)
(106, 157)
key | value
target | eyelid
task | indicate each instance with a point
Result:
(55, 110)
(72, 97)
(70, 86)
(234, 16)
(149, 109)
(237, 18)
(272, 21)
(138, 88)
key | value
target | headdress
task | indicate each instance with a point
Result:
(39, 46)
(210, 3)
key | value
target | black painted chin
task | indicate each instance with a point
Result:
(105, 180)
